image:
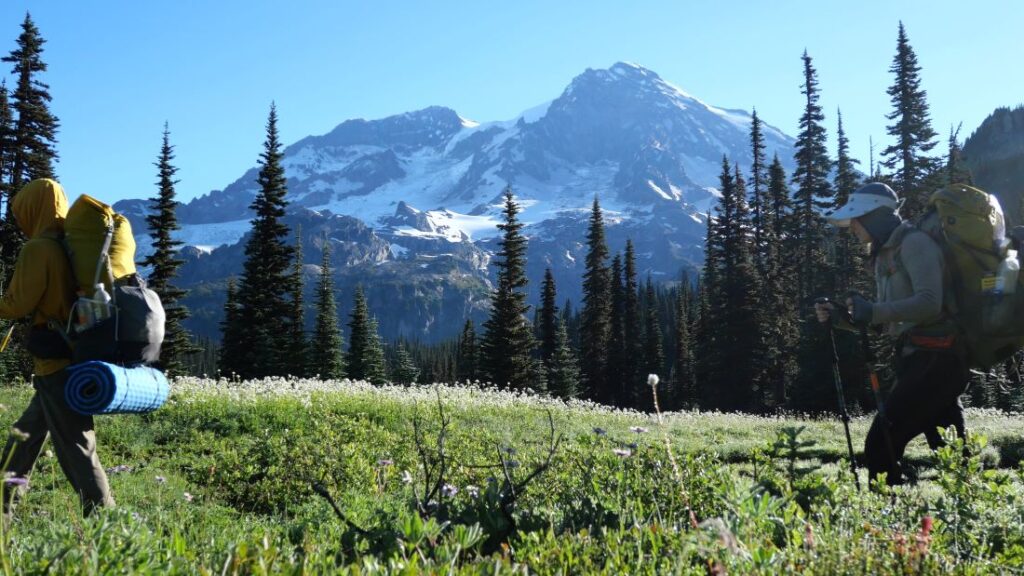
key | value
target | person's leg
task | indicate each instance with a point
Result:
(24, 452)
(74, 441)
(927, 386)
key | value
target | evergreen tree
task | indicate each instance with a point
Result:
(298, 360)
(29, 152)
(620, 363)
(595, 320)
(468, 353)
(268, 262)
(849, 263)
(507, 346)
(709, 357)
(758, 192)
(232, 327)
(358, 336)
(653, 352)
(781, 329)
(327, 346)
(911, 128)
(563, 373)
(164, 263)
(7, 144)
(548, 317)
(957, 171)
(813, 192)
(35, 133)
(683, 372)
(632, 327)
(405, 371)
(374, 365)
(734, 309)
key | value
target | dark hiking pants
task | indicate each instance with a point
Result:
(926, 397)
(74, 442)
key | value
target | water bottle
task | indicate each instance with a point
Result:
(100, 303)
(83, 311)
(1009, 271)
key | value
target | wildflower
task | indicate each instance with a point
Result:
(17, 481)
(509, 450)
(187, 496)
(638, 429)
(600, 431)
(160, 480)
(48, 454)
(512, 464)
(406, 477)
(384, 462)
(622, 452)
(449, 490)
(3, 408)
(652, 380)
(632, 445)
(18, 436)
(119, 469)
(473, 491)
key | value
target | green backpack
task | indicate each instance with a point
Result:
(982, 271)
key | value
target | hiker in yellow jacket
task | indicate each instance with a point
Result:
(42, 287)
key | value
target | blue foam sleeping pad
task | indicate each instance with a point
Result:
(102, 388)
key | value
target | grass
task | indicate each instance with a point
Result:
(221, 481)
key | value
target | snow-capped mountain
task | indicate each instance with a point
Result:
(428, 185)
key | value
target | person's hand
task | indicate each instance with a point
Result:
(861, 310)
(823, 310)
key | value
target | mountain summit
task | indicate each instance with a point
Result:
(428, 184)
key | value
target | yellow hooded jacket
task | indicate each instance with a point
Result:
(42, 284)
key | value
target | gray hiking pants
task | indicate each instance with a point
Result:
(74, 442)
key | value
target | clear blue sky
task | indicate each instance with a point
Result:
(119, 69)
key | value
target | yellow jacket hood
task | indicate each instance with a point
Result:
(40, 206)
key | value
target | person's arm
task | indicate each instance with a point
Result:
(27, 284)
(922, 259)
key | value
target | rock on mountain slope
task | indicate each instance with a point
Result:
(428, 184)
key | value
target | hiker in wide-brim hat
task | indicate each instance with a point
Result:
(911, 306)
(42, 289)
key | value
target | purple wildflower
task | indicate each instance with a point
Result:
(622, 452)
(160, 480)
(600, 431)
(17, 481)
(449, 490)
(638, 429)
(385, 462)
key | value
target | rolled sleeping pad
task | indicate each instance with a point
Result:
(102, 388)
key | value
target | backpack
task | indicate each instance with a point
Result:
(982, 271)
(116, 317)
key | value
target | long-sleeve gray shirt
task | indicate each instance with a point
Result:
(909, 272)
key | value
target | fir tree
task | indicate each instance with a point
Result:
(268, 262)
(405, 371)
(781, 332)
(957, 171)
(813, 191)
(709, 351)
(653, 352)
(358, 336)
(911, 128)
(35, 133)
(164, 263)
(30, 151)
(596, 317)
(758, 192)
(620, 366)
(507, 346)
(374, 365)
(548, 317)
(563, 373)
(632, 327)
(849, 264)
(468, 354)
(298, 361)
(683, 372)
(327, 346)
(232, 327)
(7, 144)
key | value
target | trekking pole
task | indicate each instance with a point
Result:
(869, 357)
(840, 396)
